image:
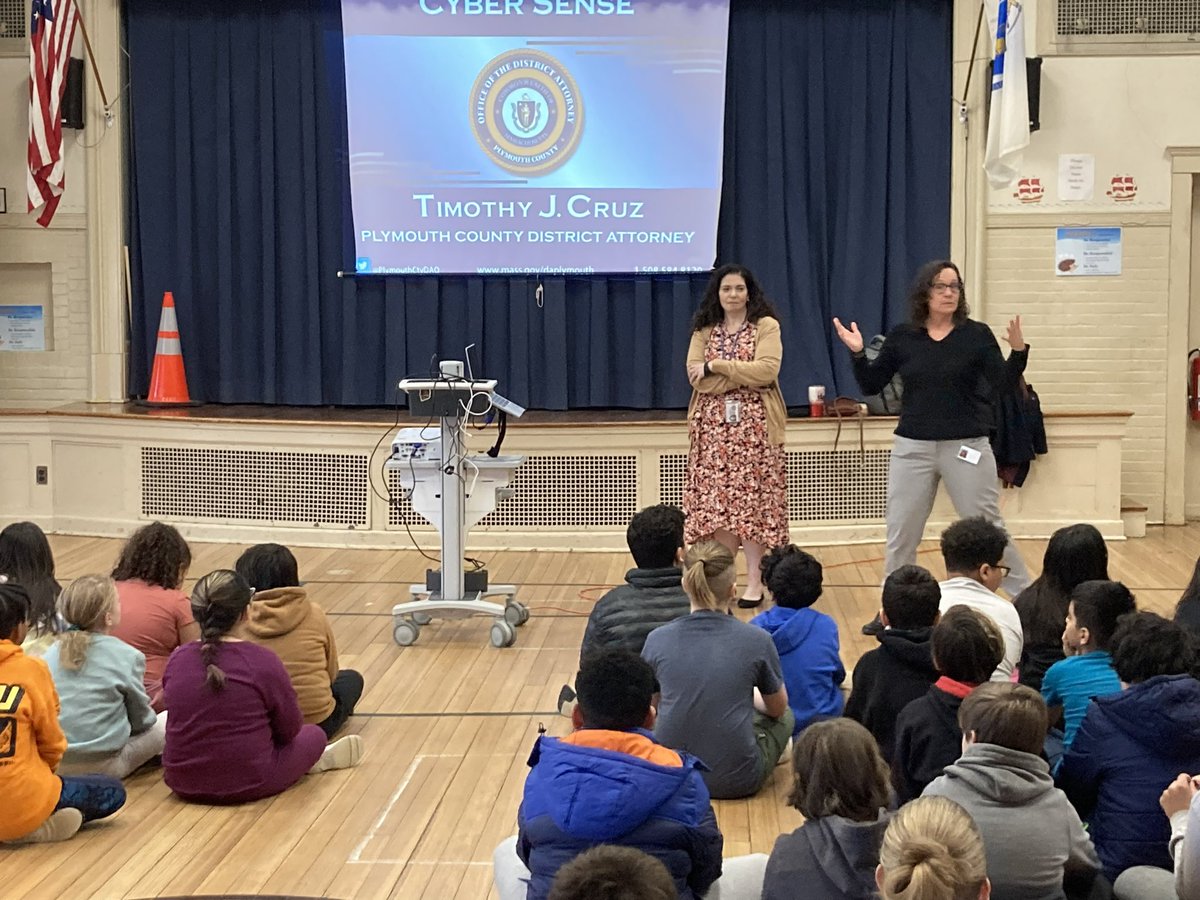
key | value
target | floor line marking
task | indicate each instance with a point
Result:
(356, 853)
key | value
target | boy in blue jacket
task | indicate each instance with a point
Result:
(807, 640)
(610, 782)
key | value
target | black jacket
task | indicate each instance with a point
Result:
(1020, 435)
(927, 740)
(888, 678)
(623, 617)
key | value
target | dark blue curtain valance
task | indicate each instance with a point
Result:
(836, 187)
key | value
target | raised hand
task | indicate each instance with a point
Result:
(851, 337)
(1013, 334)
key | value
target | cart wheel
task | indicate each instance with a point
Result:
(503, 634)
(422, 618)
(516, 614)
(406, 633)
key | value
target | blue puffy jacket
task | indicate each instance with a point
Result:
(807, 642)
(1130, 746)
(579, 796)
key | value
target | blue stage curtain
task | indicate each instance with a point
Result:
(836, 187)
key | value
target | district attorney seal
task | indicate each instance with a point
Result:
(526, 112)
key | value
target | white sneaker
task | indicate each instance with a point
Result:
(344, 753)
(61, 826)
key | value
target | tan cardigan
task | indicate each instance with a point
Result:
(731, 374)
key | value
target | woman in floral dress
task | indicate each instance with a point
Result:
(736, 486)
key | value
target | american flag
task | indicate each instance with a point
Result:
(51, 32)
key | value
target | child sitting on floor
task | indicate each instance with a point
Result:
(723, 697)
(967, 647)
(611, 782)
(807, 640)
(842, 789)
(1086, 672)
(38, 805)
(235, 732)
(284, 620)
(900, 669)
(106, 712)
(26, 559)
(1036, 846)
(932, 851)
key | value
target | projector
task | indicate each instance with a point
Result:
(417, 443)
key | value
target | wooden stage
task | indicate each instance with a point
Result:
(448, 725)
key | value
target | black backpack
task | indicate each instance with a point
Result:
(888, 401)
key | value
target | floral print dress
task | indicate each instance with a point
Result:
(736, 479)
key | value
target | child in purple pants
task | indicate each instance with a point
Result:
(235, 732)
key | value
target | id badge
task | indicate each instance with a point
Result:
(966, 454)
(733, 412)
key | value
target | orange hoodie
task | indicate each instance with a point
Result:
(31, 743)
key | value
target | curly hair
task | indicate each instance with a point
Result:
(156, 554)
(710, 311)
(1146, 645)
(971, 543)
(793, 577)
(655, 535)
(918, 296)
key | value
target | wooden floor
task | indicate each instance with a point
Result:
(448, 724)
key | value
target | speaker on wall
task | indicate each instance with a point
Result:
(1033, 78)
(72, 101)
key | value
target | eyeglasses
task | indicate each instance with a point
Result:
(955, 286)
(1003, 570)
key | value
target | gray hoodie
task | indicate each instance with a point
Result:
(1031, 833)
(830, 858)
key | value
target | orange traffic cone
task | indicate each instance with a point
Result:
(168, 381)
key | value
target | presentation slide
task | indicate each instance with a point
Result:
(535, 136)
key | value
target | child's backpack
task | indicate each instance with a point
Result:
(888, 401)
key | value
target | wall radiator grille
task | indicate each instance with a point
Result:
(552, 491)
(261, 486)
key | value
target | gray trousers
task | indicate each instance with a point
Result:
(914, 473)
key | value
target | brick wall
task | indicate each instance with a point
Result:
(1097, 343)
(61, 374)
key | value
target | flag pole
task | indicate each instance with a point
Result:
(966, 95)
(87, 43)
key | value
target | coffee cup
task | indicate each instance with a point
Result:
(816, 400)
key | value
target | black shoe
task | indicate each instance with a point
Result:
(874, 627)
(749, 603)
(566, 701)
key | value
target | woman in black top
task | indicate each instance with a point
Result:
(952, 370)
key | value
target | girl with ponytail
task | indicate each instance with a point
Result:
(722, 693)
(932, 851)
(235, 732)
(106, 714)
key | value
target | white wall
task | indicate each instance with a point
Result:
(1101, 342)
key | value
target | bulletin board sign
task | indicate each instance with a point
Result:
(1087, 251)
(22, 328)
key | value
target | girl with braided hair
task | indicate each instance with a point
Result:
(235, 732)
